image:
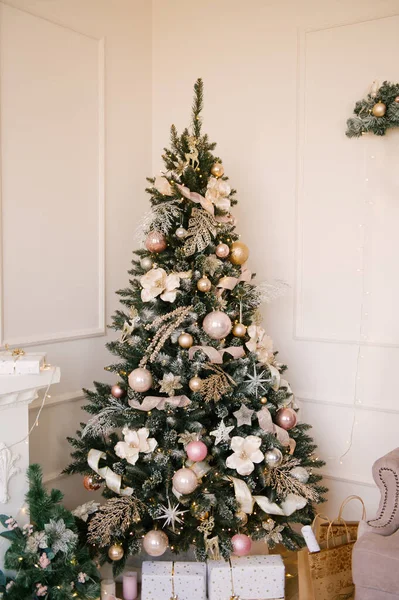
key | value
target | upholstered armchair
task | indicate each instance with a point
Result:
(376, 552)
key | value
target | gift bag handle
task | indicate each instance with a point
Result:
(346, 501)
(321, 517)
(329, 532)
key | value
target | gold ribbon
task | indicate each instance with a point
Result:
(216, 356)
(160, 402)
(112, 480)
(229, 283)
(16, 353)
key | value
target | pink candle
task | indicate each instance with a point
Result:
(130, 585)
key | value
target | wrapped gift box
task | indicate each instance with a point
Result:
(25, 364)
(189, 580)
(254, 577)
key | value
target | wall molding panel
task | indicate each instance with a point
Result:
(331, 307)
(58, 207)
(356, 406)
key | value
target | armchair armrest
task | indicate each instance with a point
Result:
(386, 476)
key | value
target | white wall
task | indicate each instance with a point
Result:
(280, 80)
(76, 130)
(318, 210)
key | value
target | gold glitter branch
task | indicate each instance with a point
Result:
(167, 325)
(217, 384)
(280, 479)
(114, 519)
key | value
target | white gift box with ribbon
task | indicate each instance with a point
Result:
(249, 577)
(189, 580)
(21, 364)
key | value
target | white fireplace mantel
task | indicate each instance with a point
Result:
(16, 393)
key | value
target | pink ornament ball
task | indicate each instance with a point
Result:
(155, 242)
(118, 391)
(222, 250)
(185, 481)
(196, 451)
(217, 325)
(241, 544)
(286, 418)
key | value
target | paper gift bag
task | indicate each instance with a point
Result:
(327, 574)
(339, 526)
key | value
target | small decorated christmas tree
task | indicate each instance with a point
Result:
(198, 441)
(45, 554)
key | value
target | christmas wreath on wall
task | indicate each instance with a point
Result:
(376, 113)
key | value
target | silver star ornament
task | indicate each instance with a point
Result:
(171, 514)
(243, 415)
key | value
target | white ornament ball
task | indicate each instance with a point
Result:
(185, 481)
(146, 263)
(273, 457)
(300, 473)
(217, 325)
(180, 233)
(155, 542)
(140, 380)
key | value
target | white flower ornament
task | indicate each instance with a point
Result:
(217, 192)
(260, 343)
(156, 282)
(245, 453)
(135, 442)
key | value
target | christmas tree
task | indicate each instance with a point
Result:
(46, 555)
(197, 442)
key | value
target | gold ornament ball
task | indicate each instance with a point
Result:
(115, 552)
(239, 253)
(185, 340)
(263, 400)
(204, 284)
(217, 170)
(90, 483)
(379, 109)
(204, 516)
(397, 99)
(242, 517)
(239, 330)
(195, 384)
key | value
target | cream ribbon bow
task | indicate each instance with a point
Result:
(112, 480)
(216, 356)
(160, 402)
